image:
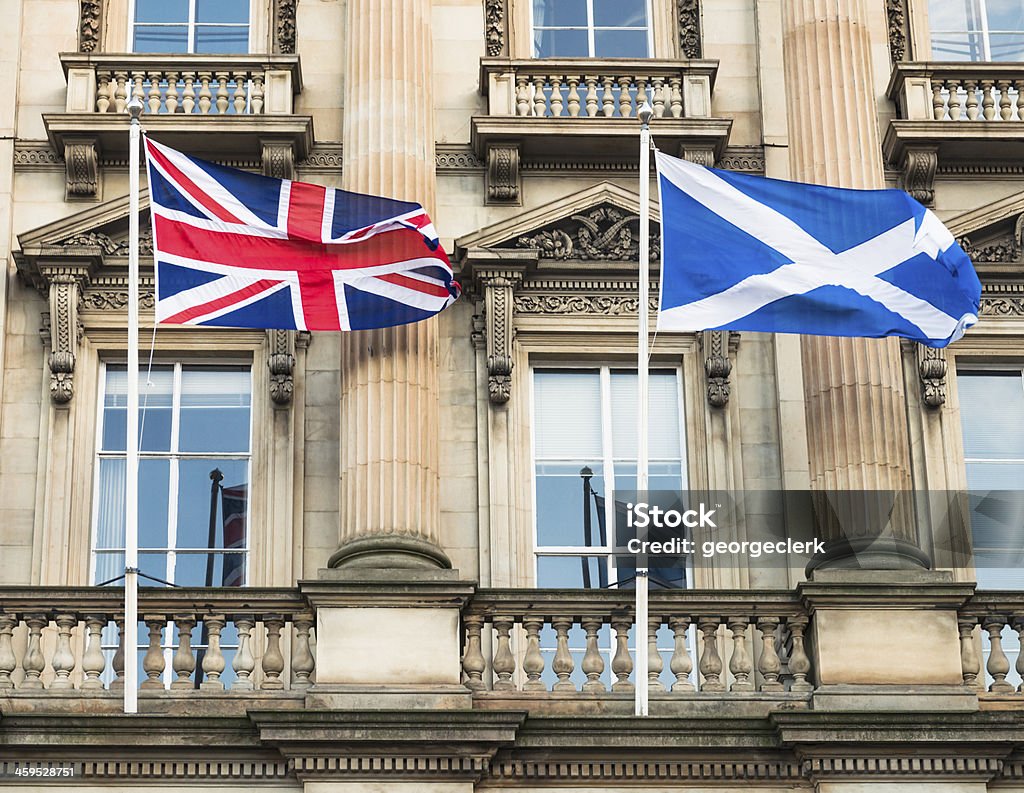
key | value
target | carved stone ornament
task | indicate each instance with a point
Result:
(281, 363)
(689, 29)
(90, 18)
(598, 305)
(499, 305)
(494, 27)
(717, 344)
(896, 11)
(606, 233)
(64, 284)
(502, 176)
(284, 26)
(108, 246)
(931, 365)
(1002, 306)
(1003, 250)
(81, 165)
(278, 158)
(919, 165)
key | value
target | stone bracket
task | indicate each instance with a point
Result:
(503, 179)
(281, 362)
(718, 346)
(82, 166)
(65, 285)
(932, 366)
(278, 158)
(702, 155)
(918, 172)
(499, 287)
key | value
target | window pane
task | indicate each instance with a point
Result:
(954, 15)
(169, 38)
(210, 38)
(209, 569)
(572, 572)
(162, 11)
(663, 415)
(152, 519)
(660, 476)
(154, 408)
(560, 518)
(995, 476)
(567, 414)
(198, 501)
(110, 564)
(1005, 15)
(1007, 46)
(620, 43)
(560, 13)
(957, 47)
(214, 409)
(222, 11)
(620, 13)
(560, 44)
(992, 415)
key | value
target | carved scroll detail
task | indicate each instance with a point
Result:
(281, 363)
(81, 165)
(717, 344)
(499, 331)
(65, 284)
(931, 365)
(278, 159)
(503, 175)
(919, 165)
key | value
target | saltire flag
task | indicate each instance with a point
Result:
(743, 252)
(237, 249)
(234, 509)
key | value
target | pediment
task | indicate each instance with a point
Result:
(597, 225)
(993, 234)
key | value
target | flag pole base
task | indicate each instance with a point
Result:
(389, 551)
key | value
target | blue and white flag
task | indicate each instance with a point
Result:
(743, 252)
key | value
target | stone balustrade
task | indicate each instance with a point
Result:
(991, 637)
(958, 92)
(54, 640)
(589, 88)
(580, 643)
(229, 85)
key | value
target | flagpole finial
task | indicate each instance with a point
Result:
(135, 108)
(645, 113)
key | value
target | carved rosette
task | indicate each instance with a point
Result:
(503, 174)
(931, 365)
(90, 18)
(284, 26)
(896, 11)
(82, 166)
(281, 363)
(65, 284)
(498, 331)
(689, 28)
(717, 345)
(494, 27)
(919, 166)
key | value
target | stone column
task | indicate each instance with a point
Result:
(389, 379)
(856, 415)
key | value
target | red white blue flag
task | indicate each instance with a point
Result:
(236, 249)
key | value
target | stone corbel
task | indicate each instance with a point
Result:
(718, 346)
(278, 157)
(498, 288)
(82, 169)
(502, 179)
(919, 164)
(281, 362)
(932, 367)
(702, 155)
(65, 285)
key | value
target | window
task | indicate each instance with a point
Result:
(591, 28)
(201, 26)
(194, 464)
(584, 450)
(977, 30)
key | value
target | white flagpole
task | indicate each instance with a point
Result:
(644, 113)
(131, 502)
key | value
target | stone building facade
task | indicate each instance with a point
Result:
(383, 579)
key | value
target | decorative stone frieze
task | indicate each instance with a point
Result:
(918, 765)
(324, 155)
(494, 27)
(502, 178)
(767, 769)
(604, 233)
(1002, 306)
(896, 11)
(64, 285)
(90, 20)
(1004, 249)
(108, 246)
(281, 363)
(931, 365)
(284, 26)
(717, 346)
(918, 172)
(609, 305)
(81, 163)
(689, 29)
(278, 158)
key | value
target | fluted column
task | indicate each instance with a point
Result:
(856, 421)
(389, 379)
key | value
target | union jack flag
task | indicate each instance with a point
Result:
(236, 249)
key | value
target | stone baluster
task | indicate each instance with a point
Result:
(205, 96)
(740, 664)
(641, 92)
(1018, 625)
(238, 98)
(1005, 105)
(658, 101)
(710, 661)
(676, 101)
(8, 661)
(533, 661)
(622, 661)
(184, 663)
(938, 100)
(303, 662)
(522, 95)
(998, 664)
(120, 91)
(154, 100)
(557, 101)
(562, 664)
(655, 664)
(504, 664)
(573, 98)
(591, 100)
(769, 664)
(188, 92)
(954, 99)
(33, 662)
(473, 662)
(799, 663)
(969, 661)
(222, 92)
(171, 99)
(681, 664)
(103, 92)
(625, 100)
(273, 659)
(971, 87)
(244, 662)
(63, 659)
(213, 658)
(592, 664)
(93, 661)
(138, 91)
(608, 97)
(1019, 87)
(256, 95)
(988, 102)
(117, 662)
(540, 101)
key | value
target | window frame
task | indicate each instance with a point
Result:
(191, 25)
(174, 456)
(984, 31)
(590, 28)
